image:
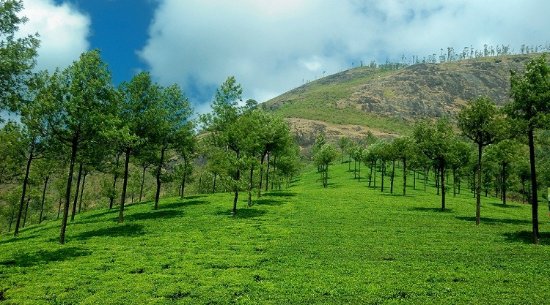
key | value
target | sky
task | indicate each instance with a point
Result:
(270, 46)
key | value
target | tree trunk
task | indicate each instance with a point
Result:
(82, 191)
(112, 199)
(326, 176)
(261, 173)
(504, 181)
(359, 170)
(442, 174)
(454, 182)
(478, 186)
(267, 174)
(383, 169)
(354, 168)
(370, 177)
(184, 179)
(250, 185)
(159, 169)
(374, 176)
(24, 190)
(26, 211)
(437, 184)
(124, 184)
(404, 177)
(75, 201)
(142, 182)
(534, 191)
(74, 149)
(235, 199)
(414, 179)
(392, 177)
(43, 198)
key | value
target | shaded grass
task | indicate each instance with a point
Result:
(346, 244)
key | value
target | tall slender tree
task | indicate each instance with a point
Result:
(531, 106)
(480, 123)
(435, 142)
(173, 127)
(79, 109)
(138, 99)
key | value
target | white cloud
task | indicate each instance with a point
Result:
(63, 32)
(273, 46)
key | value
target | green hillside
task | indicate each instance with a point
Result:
(348, 244)
(388, 101)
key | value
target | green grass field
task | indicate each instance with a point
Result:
(347, 244)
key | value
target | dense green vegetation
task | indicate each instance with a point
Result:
(347, 243)
(352, 236)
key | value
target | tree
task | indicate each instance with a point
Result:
(435, 142)
(136, 116)
(530, 106)
(17, 54)
(480, 123)
(323, 157)
(225, 135)
(504, 154)
(404, 150)
(36, 136)
(344, 143)
(78, 110)
(172, 126)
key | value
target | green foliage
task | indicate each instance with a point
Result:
(12, 152)
(323, 157)
(17, 54)
(531, 108)
(480, 122)
(531, 94)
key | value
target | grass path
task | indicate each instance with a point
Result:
(305, 245)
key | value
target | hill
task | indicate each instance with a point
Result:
(348, 244)
(387, 101)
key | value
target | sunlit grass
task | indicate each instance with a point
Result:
(303, 245)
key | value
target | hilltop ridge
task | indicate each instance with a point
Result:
(388, 101)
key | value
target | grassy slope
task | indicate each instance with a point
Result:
(344, 244)
(314, 99)
(391, 100)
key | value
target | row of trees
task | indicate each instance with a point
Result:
(242, 140)
(77, 116)
(506, 133)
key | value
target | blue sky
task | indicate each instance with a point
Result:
(119, 28)
(270, 46)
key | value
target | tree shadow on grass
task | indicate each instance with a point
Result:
(181, 204)
(242, 213)
(504, 206)
(492, 221)
(436, 210)
(43, 257)
(194, 197)
(17, 239)
(267, 201)
(526, 237)
(98, 215)
(125, 230)
(279, 194)
(155, 215)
